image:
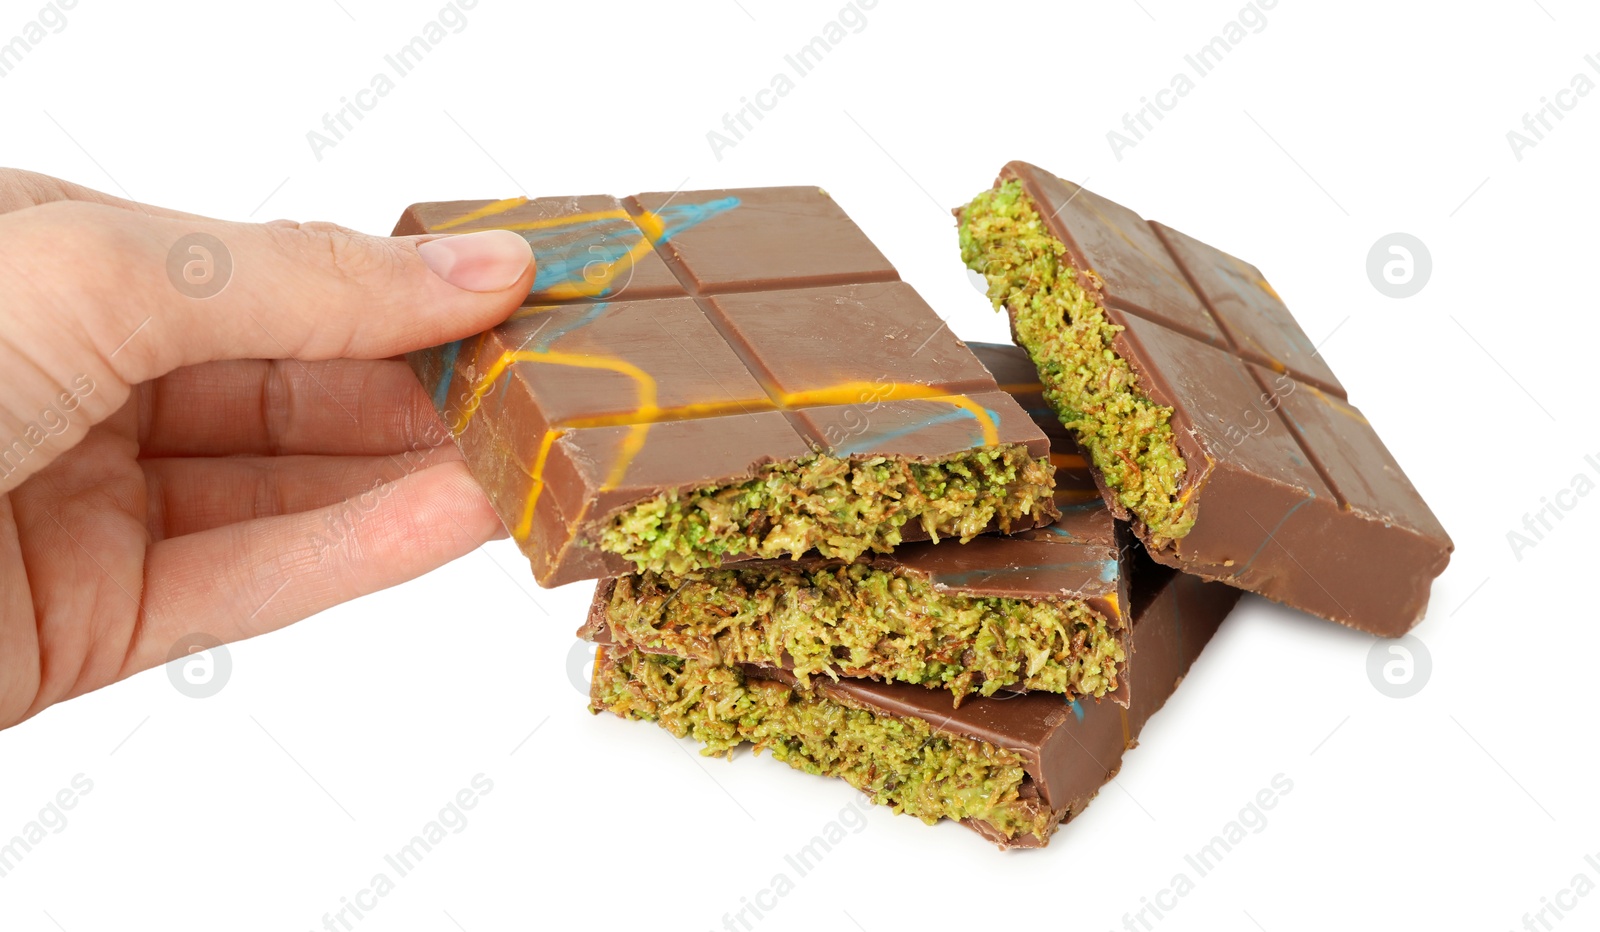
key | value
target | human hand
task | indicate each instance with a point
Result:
(174, 464)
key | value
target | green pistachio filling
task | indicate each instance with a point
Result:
(854, 620)
(1057, 320)
(837, 506)
(899, 762)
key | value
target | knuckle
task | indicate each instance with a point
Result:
(277, 405)
(323, 226)
(349, 254)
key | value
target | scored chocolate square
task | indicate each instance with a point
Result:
(718, 375)
(1277, 484)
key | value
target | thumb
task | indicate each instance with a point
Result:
(147, 294)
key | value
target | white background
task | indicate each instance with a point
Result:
(336, 740)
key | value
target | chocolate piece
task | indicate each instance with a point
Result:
(1038, 610)
(1284, 488)
(1011, 767)
(718, 375)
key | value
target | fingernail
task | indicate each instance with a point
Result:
(492, 260)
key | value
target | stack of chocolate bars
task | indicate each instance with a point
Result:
(961, 578)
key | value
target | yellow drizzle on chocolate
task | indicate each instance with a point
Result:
(647, 411)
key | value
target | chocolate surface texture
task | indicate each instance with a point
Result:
(1293, 494)
(674, 342)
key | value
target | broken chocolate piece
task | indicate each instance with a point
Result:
(1010, 766)
(718, 375)
(1207, 414)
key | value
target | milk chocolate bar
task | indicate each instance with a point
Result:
(1208, 416)
(717, 375)
(1011, 767)
(1038, 610)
